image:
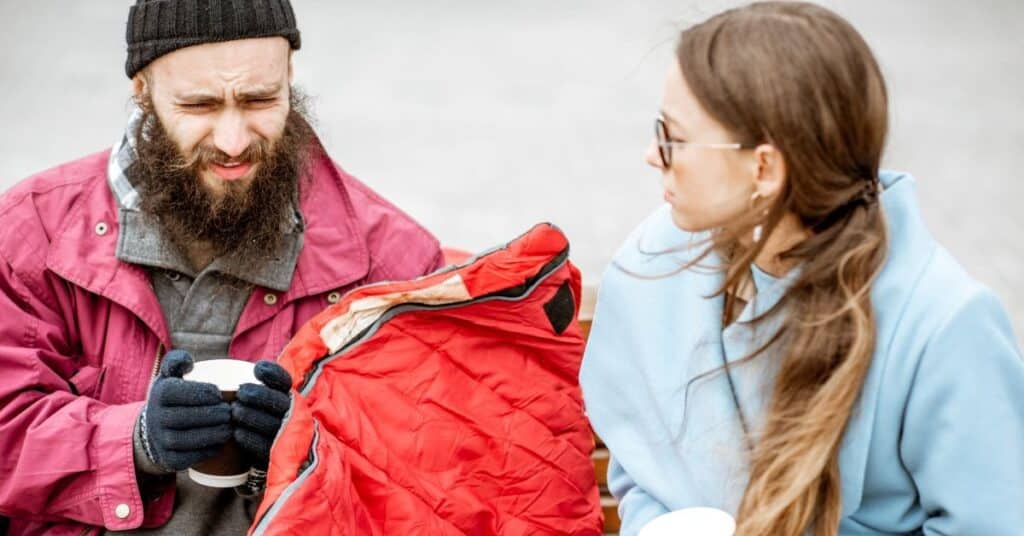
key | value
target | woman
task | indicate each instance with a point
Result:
(784, 340)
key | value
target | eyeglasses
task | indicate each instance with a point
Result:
(666, 144)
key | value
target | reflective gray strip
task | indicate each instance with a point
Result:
(261, 528)
(310, 382)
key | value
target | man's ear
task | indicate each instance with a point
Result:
(769, 171)
(140, 84)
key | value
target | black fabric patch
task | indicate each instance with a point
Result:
(561, 308)
(519, 290)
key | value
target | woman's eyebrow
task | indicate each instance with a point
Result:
(673, 121)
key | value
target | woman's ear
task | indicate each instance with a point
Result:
(769, 172)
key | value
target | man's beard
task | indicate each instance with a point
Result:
(251, 220)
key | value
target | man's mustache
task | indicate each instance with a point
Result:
(204, 155)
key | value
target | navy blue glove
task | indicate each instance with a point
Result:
(184, 422)
(258, 410)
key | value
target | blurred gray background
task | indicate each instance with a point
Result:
(482, 117)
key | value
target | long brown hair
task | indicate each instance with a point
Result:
(799, 77)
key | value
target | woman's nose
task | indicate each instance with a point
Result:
(652, 156)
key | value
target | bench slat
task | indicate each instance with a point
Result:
(600, 459)
(610, 507)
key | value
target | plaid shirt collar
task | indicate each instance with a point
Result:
(121, 159)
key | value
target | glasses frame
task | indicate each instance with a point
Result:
(666, 143)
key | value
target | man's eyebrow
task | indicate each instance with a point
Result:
(261, 92)
(198, 97)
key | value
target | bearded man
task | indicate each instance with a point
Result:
(214, 228)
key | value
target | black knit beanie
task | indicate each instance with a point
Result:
(156, 27)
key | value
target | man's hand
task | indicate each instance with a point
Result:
(258, 409)
(184, 422)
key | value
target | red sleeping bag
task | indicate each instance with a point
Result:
(444, 405)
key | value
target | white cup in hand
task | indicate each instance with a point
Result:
(697, 521)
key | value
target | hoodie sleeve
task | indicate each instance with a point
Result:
(963, 436)
(636, 507)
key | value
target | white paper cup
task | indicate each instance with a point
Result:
(228, 469)
(226, 374)
(697, 521)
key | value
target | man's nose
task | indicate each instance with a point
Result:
(231, 135)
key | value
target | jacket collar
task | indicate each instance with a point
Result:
(334, 252)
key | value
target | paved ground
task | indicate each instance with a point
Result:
(481, 118)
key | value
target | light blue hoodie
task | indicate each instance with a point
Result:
(935, 444)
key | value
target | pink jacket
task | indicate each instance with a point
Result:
(81, 332)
